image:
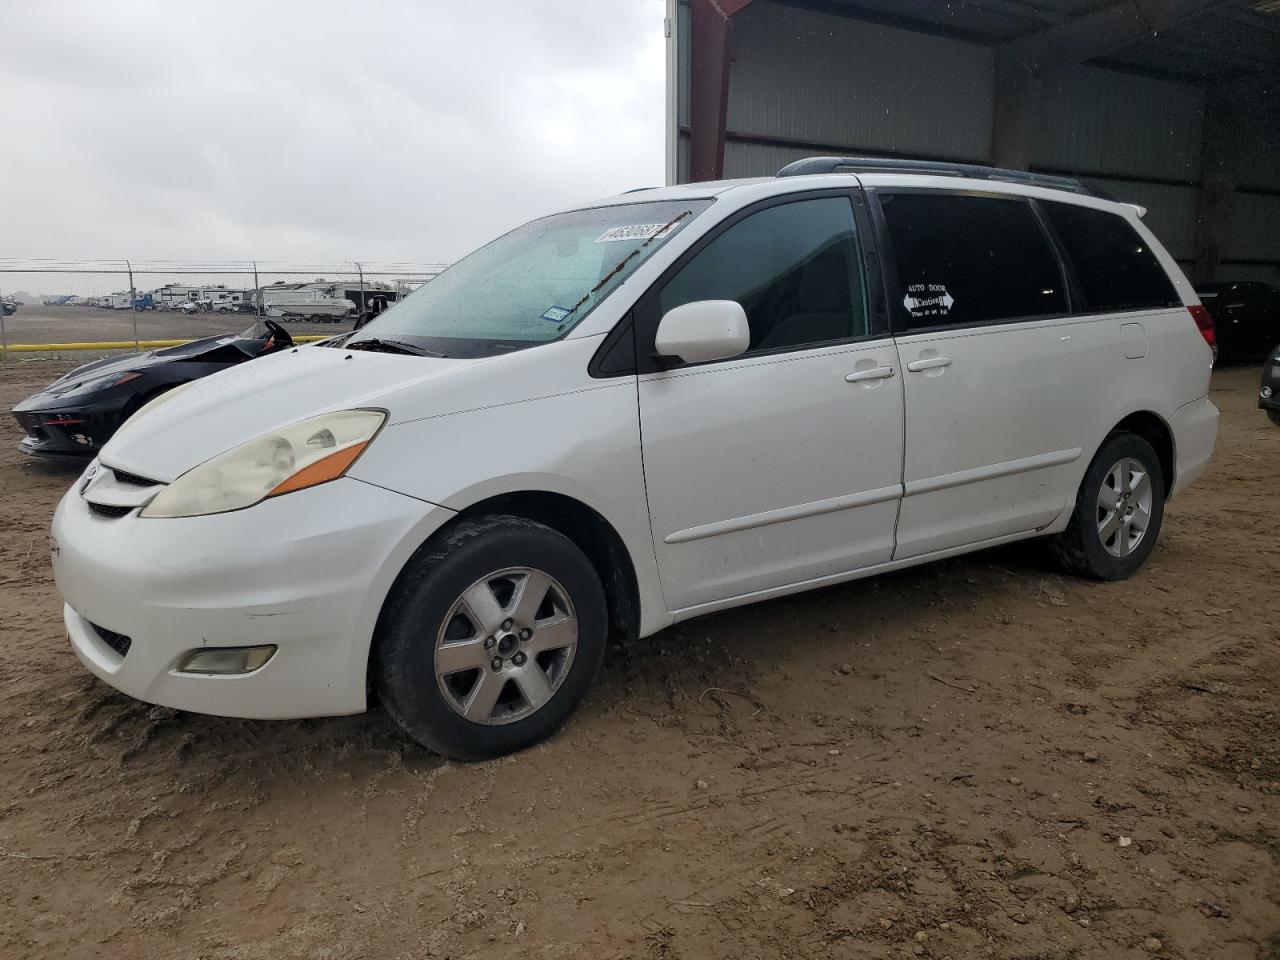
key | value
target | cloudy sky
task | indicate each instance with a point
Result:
(408, 131)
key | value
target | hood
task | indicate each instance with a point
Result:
(240, 403)
(86, 374)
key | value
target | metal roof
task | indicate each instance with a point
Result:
(1225, 41)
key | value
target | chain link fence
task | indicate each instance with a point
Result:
(56, 305)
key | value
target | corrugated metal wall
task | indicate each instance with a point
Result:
(827, 79)
(1253, 230)
(835, 83)
(1107, 121)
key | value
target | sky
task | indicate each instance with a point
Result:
(282, 130)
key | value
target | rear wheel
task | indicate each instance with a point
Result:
(1118, 512)
(490, 638)
(1275, 416)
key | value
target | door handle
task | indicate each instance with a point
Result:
(874, 373)
(915, 366)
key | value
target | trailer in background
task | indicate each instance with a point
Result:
(172, 295)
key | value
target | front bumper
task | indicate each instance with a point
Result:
(307, 572)
(69, 432)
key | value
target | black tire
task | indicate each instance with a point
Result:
(1080, 549)
(404, 663)
(1274, 416)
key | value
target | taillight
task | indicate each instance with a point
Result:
(1204, 320)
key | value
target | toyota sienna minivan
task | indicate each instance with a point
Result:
(649, 408)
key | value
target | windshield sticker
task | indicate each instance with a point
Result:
(556, 314)
(639, 231)
(928, 300)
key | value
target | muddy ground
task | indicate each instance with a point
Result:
(980, 758)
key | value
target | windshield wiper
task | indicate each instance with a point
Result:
(392, 346)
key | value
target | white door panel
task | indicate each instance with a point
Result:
(769, 470)
(994, 436)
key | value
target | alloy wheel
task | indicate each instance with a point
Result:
(506, 646)
(1124, 507)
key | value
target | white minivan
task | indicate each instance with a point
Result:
(618, 417)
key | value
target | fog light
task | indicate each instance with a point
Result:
(224, 660)
(1266, 393)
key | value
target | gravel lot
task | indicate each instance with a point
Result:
(980, 758)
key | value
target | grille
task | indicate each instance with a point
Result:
(116, 641)
(133, 480)
(111, 513)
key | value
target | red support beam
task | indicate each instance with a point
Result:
(710, 51)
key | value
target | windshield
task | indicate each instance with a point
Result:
(532, 285)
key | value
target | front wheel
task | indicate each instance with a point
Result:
(1274, 415)
(490, 638)
(1118, 512)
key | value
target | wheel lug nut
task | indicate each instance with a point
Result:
(506, 624)
(489, 642)
(525, 633)
(518, 659)
(496, 663)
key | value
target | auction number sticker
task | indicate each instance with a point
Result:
(638, 231)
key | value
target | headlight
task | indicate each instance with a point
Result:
(300, 455)
(108, 380)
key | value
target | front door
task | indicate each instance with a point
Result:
(781, 466)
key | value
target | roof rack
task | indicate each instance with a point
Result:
(811, 165)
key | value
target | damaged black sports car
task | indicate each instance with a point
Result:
(78, 413)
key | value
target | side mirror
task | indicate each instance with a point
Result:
(703, 330)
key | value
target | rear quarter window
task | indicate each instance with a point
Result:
(1116, 268)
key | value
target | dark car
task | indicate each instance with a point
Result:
(78, 413)
(1247, 317)
(1269, 390)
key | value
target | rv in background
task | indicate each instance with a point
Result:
(172, 295)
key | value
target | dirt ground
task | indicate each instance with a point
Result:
(979, 758)
(34, 323)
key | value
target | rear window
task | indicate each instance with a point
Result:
(964, 259)
(1116, 268)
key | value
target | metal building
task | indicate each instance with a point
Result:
(1171, 104)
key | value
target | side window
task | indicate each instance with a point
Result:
(965, 259)
(1115, 267)
(793, 267)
